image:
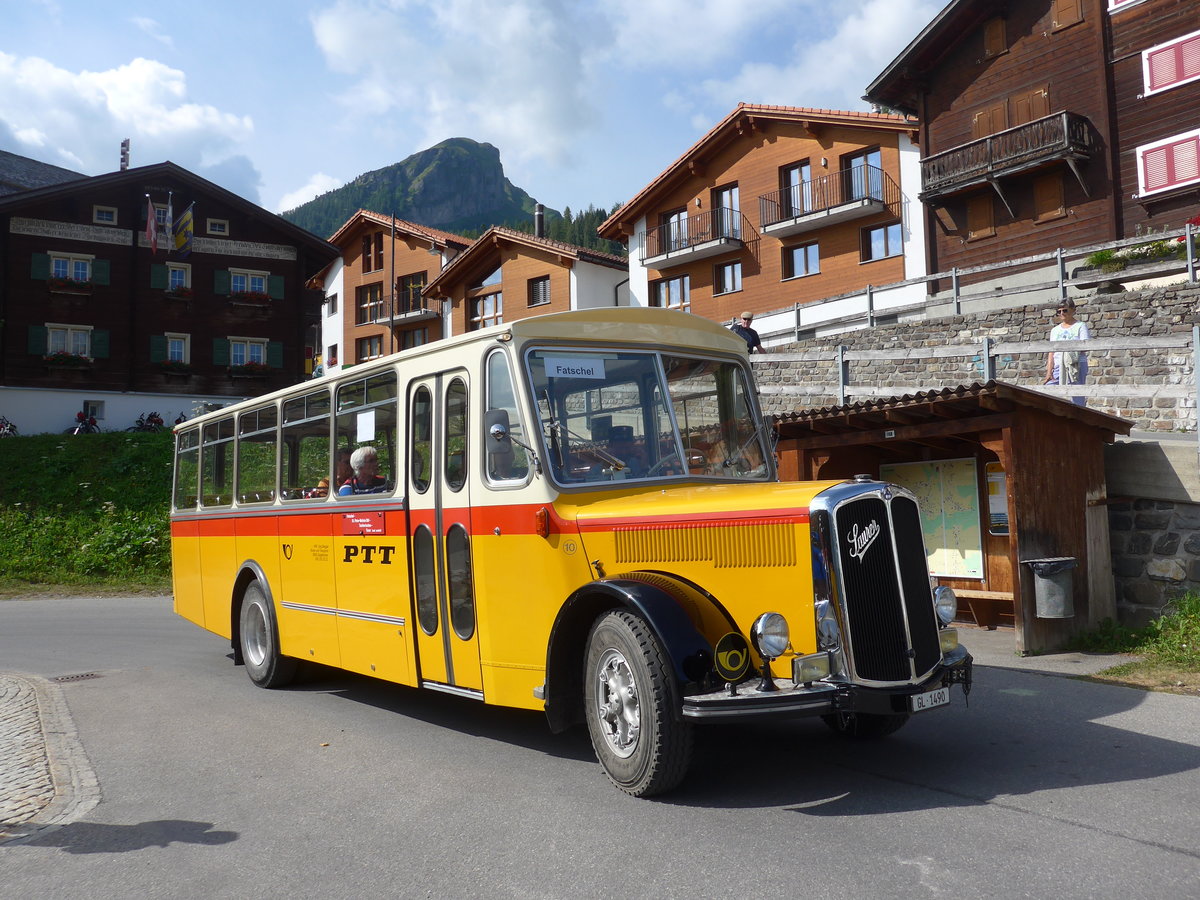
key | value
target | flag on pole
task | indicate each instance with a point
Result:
(151, 226)
(183, 232)
(170, 223)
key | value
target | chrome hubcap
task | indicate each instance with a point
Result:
(617, 704)
(255, 635)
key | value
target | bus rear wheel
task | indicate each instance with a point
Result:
(865, 726)
(643, 748)
(259, 637)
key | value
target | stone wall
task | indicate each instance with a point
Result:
(1154, 516)
(802, 375)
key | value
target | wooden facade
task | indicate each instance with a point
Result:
(386, 265)
(687, 227)
(1048, 468)
(86, 301)
(508, 275)
(1032, 113)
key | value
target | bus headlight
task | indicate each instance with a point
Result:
(946, 603)
(770, 635)
(829, 636)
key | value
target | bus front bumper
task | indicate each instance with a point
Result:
(820, 698)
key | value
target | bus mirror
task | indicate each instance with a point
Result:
(496, 422)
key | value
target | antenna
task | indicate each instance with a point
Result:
(124, 154)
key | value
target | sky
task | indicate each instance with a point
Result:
(282, 100)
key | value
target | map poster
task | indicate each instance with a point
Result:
(997, 489)
(947, 492)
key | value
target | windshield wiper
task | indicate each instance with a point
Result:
(755, 434)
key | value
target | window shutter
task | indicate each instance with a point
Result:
(221, 283)
(158, 347)
(275, 287)
(39, 266)
(275, 354)
(1172, 164)
(220, 350)
(994, 40)
(1173, 63)
(158, 277)
(100, 271)
(1048, 198)
(1039, 103)
(1066, 12)
(980, 221)
(99, 344)
(37, 340)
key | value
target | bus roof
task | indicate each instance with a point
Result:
(619, 325)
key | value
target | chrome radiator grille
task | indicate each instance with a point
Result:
(884, 588)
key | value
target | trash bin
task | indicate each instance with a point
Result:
(1052, 581)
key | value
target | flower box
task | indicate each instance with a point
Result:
(250, 298)
(174, 367)
(250, 370)
(179, 293)
(58, 285)
(61, 359)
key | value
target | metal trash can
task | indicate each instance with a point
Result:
(1053, 586)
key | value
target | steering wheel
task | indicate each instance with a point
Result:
(654, 469)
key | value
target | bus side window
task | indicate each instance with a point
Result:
(306, 447)
(257, 438)
(216, 463)
(456, 434)
(505, 460)
(187, 469)
(421, 428)
(367, 417)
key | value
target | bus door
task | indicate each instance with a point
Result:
(439, 509)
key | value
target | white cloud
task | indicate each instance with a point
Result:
(78, 119)
(683, 34)
(318, 184)
(151, 28)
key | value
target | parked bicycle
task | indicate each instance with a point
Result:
(84, 424)
(151, 421)
(7, 428)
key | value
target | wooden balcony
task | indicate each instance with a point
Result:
(696, 237)
(410, 305)
(1061, 136)
(837, 197)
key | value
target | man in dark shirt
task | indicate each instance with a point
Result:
(748, 334)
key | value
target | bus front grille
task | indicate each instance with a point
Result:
(884, 588)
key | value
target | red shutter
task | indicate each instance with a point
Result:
(1172, 164)
(1173, 63)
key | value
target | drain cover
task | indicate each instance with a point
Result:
(62, 679)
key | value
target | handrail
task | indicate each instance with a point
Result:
(829, 192)
(721, 223)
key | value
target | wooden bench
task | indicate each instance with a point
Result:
(988, 606)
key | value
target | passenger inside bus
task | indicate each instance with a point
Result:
(365, 478)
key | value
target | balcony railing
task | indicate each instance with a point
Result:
(1063, 135)
(696, 237)
(409, 304)
(849, 194)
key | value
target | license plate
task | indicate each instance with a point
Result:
(930, 699)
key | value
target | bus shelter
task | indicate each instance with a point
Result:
(1004, 475)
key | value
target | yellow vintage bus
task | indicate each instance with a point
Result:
(576, 513)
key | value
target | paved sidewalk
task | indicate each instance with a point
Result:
(998, 648)
(45, 777)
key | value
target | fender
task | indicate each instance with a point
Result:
(248, 571)
(689, 651)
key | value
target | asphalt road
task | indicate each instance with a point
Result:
(1043, 786)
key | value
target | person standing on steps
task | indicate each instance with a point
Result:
(747, 333)
(1069, 366)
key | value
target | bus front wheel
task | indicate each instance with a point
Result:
(643, 748)
(259, 636)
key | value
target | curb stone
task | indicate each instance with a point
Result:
(46, 779)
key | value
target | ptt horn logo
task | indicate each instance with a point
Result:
(287, 551)
(860, 541)
(731, 657)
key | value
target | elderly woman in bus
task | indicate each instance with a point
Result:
(365, 478)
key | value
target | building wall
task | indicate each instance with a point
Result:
(333, 324)
(753, 160)
(1144, 118)
(595, 286)
(1069, 63)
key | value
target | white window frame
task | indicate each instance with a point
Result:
(331, 305)
(245, 343)
(1148, 91)
(69, 332)
(185, 268)
(186, 340)
(249, 275)
(1150, 148)
(219, 227)
(104, 215)
(1115, 5)
(71, 259)
(93, 409)
(160, 216)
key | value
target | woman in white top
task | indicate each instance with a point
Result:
(1068, 367)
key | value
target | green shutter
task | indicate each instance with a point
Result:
(275, 354)
(221, 282)
(158, 277)
(220, 350)
(39, 266)
(158, 347)
(275, 287)
(100, 270)
(37, 340)
(99, 344)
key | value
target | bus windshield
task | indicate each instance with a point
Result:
(620, 415)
